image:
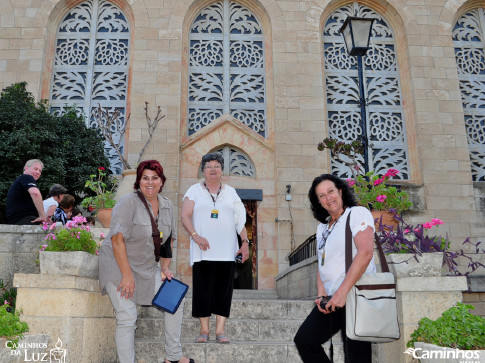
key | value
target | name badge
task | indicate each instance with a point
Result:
(161, 234)
(215, 213)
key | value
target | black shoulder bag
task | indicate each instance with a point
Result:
(163, 250)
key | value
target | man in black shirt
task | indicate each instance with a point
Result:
(24, 200)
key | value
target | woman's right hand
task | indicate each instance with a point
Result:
(201, 242)
(127, 287)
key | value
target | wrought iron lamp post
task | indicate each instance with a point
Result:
(356, 33)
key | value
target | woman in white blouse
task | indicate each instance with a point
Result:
(213, 215)
(331, 201)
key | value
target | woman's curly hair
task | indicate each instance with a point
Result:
(320, 213)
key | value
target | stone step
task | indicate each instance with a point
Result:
(261, 330)
(150, 351)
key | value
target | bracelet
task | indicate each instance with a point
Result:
(245, 240)
(193, 234)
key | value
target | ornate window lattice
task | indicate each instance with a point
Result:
(226, 67)
(469, 44)
(236, 162)
(91, 64)
(384, 112)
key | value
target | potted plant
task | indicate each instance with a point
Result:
(11, 328)
(103, 201)
(456, 336)
(372, 190)
(413, 251)
(69, 250)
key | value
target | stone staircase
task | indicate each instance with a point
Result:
(261, 329)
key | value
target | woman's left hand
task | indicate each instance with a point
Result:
(244, 250)
(166, 274)
(337, 301)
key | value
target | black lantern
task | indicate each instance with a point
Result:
(356, 33)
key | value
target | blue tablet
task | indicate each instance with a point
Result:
(170, 295)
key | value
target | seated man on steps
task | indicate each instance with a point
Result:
(24, 200)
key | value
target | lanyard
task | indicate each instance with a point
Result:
(218, 192)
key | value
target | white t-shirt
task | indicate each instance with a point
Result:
(49, 202)
(332, 272)
(220, 232)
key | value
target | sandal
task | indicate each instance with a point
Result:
(202, 338)
(222, 339)
(176, 361)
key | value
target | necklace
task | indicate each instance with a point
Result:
(326, 233)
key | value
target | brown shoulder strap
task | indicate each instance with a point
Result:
(157, 241)
(348, 248)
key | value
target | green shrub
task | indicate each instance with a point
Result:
(70, 151)
(8, 296)
(455, 328)
(10, 325)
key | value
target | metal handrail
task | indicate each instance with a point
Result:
(304, 251)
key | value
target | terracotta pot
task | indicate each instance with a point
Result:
(387, 219)
(104, 217)
(75, 263)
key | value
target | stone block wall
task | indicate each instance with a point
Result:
(19, 246)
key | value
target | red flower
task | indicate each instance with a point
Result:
(90, 208)
(101, 168)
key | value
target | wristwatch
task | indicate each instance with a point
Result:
(246, 240)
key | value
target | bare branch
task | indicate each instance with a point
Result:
(152, 125)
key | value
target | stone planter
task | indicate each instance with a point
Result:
(126, 184)
(76, 263)
(28, 349)
(404, 264)
(439, 354)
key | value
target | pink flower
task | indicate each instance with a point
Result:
(436, 221)
(45, 226)
(78, 235)
(378, 181)
(101, 168)
(350, 182)
(102, 235)
(97, 253)
(5, 302)
(381, 198)
(427, 225)
(407, 230)
(392, 172)
(53, 225)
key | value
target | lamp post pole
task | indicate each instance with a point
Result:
(356, 33)
(363, 115)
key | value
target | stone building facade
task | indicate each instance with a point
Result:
(265, 81)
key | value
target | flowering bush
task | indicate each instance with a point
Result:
(371, 191)
(104, 186)
(76, 236)
(415, 239)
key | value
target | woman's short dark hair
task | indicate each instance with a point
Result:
(67, 201)
(57, 189)
(151, 165)
(321, 213)
(212, 156)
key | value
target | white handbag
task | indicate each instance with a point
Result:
(371, 309)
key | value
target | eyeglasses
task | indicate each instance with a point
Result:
(207, 167)
(325, 235)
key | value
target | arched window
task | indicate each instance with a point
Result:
(469, 44)
(91, 64)
(236, 162)
(226, 67)
(386, 129)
